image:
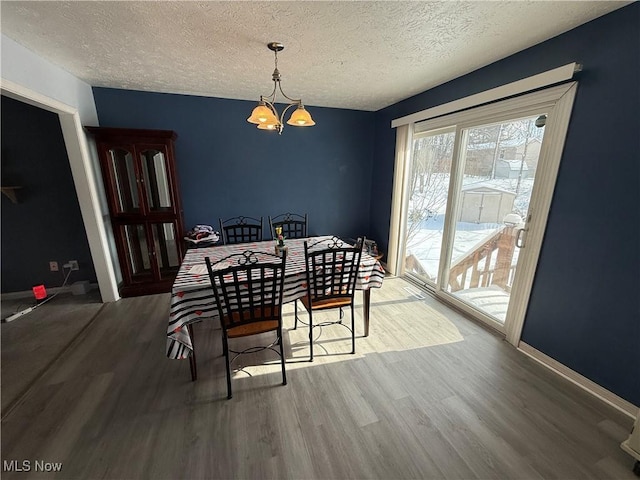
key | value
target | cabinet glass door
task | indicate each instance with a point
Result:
(155, 180)
(124, 180)
(165, 241)
(137, 252)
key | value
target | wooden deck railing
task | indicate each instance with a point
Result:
(488, 263)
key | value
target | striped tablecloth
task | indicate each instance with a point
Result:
(192, 298)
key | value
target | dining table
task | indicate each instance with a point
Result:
(192, 298)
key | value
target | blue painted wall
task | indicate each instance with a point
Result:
(227, 167)
(46, 223)
(585, 305)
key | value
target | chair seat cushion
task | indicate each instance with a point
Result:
(327, 303)
(256, 326)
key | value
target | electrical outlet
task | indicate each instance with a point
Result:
(71, 265)
(53, 266)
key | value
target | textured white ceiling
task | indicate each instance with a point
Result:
(357, 54)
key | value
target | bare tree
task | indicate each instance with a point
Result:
(429, 180)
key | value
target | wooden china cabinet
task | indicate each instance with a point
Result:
(139, 173)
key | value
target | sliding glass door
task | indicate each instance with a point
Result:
(474, 182)
(498, 164)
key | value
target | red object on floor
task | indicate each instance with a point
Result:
(40, 292)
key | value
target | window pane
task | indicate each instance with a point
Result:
(429, 188)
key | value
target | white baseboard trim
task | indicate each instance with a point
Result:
(583, 382)
(50, 291)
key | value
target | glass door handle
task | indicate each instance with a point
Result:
(520, 238)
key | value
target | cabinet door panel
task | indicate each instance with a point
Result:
(137, 252)
(167, 254)
(155, 178)
(124, 181)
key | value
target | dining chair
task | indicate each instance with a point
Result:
(293, 225)
(248, 291)
(241, 230)
(332, 270)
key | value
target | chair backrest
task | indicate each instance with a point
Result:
(241, 230)
(293, 225)
(332, 269)
(248, 287)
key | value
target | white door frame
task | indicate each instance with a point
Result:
(83, 178)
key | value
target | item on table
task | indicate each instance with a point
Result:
(202, 234)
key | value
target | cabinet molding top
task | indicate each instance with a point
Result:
(113, 132)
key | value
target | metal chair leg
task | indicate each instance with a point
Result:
(284, 373)
(295, 309)
(192, 367)
(353, 330)
(226, 357)
(310, 336)
(192, 356)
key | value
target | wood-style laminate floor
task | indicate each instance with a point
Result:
(429, 395)
(32, 342)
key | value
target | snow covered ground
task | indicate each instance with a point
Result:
(425, 243)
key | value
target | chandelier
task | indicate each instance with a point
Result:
(265, 114)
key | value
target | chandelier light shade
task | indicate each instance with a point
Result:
(301, 118)
(265, 115)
